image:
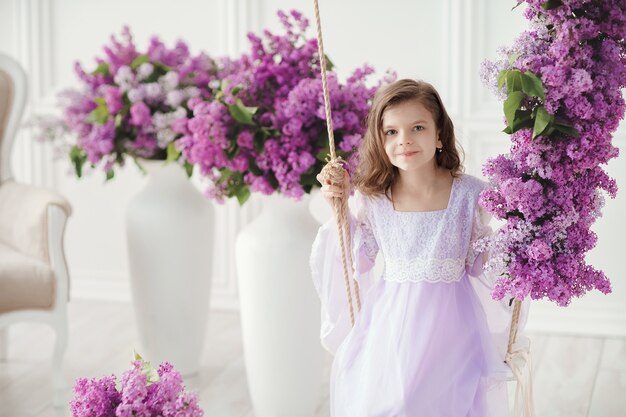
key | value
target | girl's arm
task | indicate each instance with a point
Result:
(327, 272)
(475, 261)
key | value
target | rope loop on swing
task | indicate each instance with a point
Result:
(335, 172)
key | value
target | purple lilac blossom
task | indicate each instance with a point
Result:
(137, 395)
(112, 113)
(548, 189)
(287, 143)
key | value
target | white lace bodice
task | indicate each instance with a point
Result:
(431, 246)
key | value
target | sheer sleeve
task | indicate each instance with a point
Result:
(365, 247)
(480, 229)
(497, 313)
(327, 271)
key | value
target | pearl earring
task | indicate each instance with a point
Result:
(439, 150)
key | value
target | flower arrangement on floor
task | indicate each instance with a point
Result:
(562, 82)
(142, 391)
(126, 105)
(266, 129)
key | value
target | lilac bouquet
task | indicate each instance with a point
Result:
(562, 82)
(143, 391)
(265, 131)
(127, 104)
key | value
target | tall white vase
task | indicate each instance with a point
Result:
(169, 227)
(280, 312)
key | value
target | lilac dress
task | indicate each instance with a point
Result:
(429, 340)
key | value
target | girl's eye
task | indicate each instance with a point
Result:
(418, 128)
(390, 132)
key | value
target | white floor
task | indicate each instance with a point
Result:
(574, 376)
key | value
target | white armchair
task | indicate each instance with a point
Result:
(34, 281)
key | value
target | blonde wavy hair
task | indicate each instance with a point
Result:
(375, 174)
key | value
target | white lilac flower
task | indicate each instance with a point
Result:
(160, 120)
(124, 77)
(178, 113)
(191, 92)
(145, 70)
(169, 81)
(153, 90)
(136, 94)
(174, 98)
(165, 136)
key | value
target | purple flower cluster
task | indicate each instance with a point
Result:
(127, 104)
(548, 188)
(141, 394)
(266, 129)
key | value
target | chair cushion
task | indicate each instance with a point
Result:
(24, 217)
(25, 283)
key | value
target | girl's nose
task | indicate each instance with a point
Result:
(405, 139)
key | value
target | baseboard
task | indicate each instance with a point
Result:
(606, 320)
(111, 286)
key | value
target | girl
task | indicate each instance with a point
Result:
(428, 341)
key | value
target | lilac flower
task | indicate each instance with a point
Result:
(95, 398)
(111, 114)
(141, 394)
(548, 188)
(140, 114)
(268, 131)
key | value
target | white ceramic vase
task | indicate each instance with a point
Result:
(280, 312)
(169, 227)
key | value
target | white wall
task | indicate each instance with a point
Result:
(442, 42)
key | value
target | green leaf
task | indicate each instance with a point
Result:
(566, 129)
(78, 158)
(309, 178)
(118, 120)
(502, 78)
(243, 194)
(161, 67)
(513, 81)
(152, 375)
(141, 59)
(511, 104)
(101, 69)
(139, 166)
(551, 4)
(522, 120)
(542, 120)
(323, 154)
(258, 141)
(172, 152)
(254, 168)
(100, 114)
(513, 57)
(226, 174)
(329, 64)
(532, 85)
(110, 175)
(519, 3)
(236, 90)
(188, 168)
(241, 113)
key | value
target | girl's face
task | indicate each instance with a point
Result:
(410, 136)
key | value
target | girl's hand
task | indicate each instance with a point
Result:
(330, 191)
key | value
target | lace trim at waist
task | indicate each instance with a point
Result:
(424, 269)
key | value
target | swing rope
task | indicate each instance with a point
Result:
(516, 358)
(335, 172)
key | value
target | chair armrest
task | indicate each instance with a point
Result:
(24, 217)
